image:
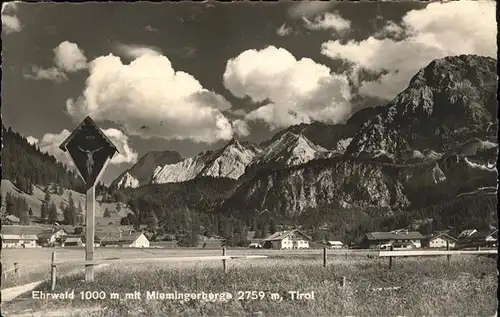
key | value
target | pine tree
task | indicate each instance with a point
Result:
(152, 221)
(70, 211)
(106, 214)
(52, 216)
(9, 204)
(30, 212)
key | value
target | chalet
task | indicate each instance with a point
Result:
(18, 241)
(72, 241)
(375, 240)
(484, 238)
(335, 244)
(439, 240)
(127, 240)
(51, 237)
(289, 239)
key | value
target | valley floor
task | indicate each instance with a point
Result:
(427, 286)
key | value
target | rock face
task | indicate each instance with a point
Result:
(446, 103)
(228, 162)
(140, 174)
(434, 141)
(288, 150)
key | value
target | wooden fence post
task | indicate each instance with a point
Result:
(53, 272)
(390, 258)
(479, 248)
(16, 269)
(324, 257)
(343, 281)
(448, 249)
(3, 274)
(224, 264)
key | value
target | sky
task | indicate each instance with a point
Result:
(191, 76)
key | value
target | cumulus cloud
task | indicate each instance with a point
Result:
(53, 73)
(328, 21)
(241, 127)
(309, 8)
(10, 22)
(69, 57)
(150, 99)
(133, 51)
(293, 91)
(50, 143)
(438, 30)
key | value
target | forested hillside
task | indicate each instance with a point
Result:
(25, 165)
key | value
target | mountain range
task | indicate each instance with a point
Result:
(431, 152)
(434, 141)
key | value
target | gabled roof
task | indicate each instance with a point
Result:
(280, 235)
(443, 236)
(412, 235)
(87, 121)
(10, 236)
(49, 233)
(466, 233)
(482, 235)
(124, 239)
(26, 230)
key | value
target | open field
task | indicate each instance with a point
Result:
(35, 263)
(429, 286)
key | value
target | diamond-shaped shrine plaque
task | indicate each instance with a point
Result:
(89, 148)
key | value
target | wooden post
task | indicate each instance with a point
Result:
(390, 258)
(3, 274)
(89, 234)
(324, 257)
(448, 249)
(16, 269)
(224, 264)
(343, 280)
(479, 248)
(53, 272)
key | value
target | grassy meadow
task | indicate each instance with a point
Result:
(429, 287)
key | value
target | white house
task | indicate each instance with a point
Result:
(289, 239)
(18, 241)
(335, 244)
(51, 236)
(441, 241)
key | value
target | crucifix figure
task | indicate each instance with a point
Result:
(90, 159)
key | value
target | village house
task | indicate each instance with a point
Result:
(482, 238)
(51, 237)
(439, 240)
(18, 241)
(375, 240)
(72, 241)
(289, 239)
(126, 240)
(335, 244)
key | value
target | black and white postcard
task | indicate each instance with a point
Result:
(271, 159)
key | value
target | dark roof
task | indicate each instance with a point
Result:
(481, 235)
(45, 234)
(280, 235)
(124, 239)
(412, 235)
(87, 121)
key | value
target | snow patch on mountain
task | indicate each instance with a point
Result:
(230, 162)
